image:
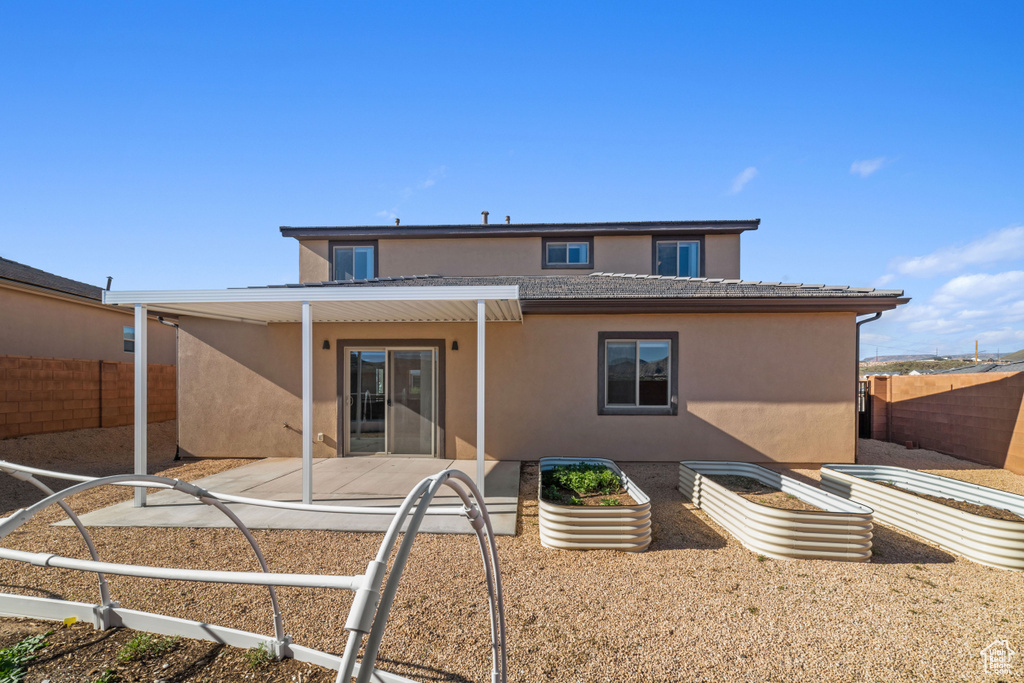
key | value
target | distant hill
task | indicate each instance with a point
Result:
(1017, 356)
(907, 366)
(982, 355)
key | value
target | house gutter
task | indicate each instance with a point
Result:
(177, 388)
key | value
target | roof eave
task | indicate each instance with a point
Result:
(857, 305)
(522, 230)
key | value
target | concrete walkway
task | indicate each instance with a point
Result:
(366, 481)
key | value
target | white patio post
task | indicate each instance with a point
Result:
(481, 317)
(307, 403)
(141, 402)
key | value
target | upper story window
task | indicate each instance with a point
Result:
(637, 373)
(678, 258)
(353, 261)
(128, 335)
(560, 252)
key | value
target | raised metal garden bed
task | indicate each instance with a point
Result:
(841, 530)
(994, 542)
(578, 527)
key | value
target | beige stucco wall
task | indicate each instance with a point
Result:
(513, 256)
(756, 387)
(722, 256)
(313, 261)
(47, 327)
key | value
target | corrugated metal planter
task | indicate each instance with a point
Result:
(994, 542)
(841, 530)
(578, 527)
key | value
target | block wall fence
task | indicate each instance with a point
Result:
(975, 416)
(39, 395)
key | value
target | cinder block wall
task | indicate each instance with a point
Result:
(979, 417)
(39, 395)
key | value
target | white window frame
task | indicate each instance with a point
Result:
(125, 331)
(354, 248)
(678, 242)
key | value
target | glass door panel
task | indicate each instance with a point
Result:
(412, 412)
(367, 401)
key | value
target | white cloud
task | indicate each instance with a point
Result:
(866, 167)
(993, 289)
(1007, 338)
(740, 181)
(1002, 245)
(433, 176)
(883, 280)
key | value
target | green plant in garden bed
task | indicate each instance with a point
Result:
(585, 478)
(14, 660)
(258, 657)
(146, 645)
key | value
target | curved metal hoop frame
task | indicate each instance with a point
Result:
(373, 596)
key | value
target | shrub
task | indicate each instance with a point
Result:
(584, 478)
(258, 657)
(146, 645)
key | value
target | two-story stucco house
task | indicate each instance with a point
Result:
(632, 341)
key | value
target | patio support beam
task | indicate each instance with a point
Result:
(141, 399)
(307, 403)
(481, 319)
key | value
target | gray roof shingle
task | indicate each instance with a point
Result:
(20, 273)
(623, 286)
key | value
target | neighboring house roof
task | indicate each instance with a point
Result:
(983, 367)
(20, 274)
(724, 227)
(654, 293)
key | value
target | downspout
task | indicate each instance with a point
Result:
(856, 366)
(177, 389)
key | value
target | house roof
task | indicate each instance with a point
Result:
(983, 367)
(721, 227)
(18, 273)
(607, 292)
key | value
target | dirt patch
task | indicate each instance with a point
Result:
(755, 491)
(565, 497)
(78, 652)
(973, 508)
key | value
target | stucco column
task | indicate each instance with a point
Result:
(481, 317)
(141, 401)
(307, 403)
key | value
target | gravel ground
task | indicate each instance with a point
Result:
(696, 606)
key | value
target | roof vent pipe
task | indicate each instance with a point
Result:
(110, 278)
(508, 219)
(485, 214)
(397, 221)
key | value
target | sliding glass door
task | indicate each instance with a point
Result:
(392, 401)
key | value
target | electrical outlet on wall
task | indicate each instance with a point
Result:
(320, 436)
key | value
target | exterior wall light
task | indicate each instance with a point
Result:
(327, 345)
(455, 346)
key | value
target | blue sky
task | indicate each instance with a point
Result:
(164, 144)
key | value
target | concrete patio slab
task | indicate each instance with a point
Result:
(365, 482)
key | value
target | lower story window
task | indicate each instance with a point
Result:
(637, 373)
